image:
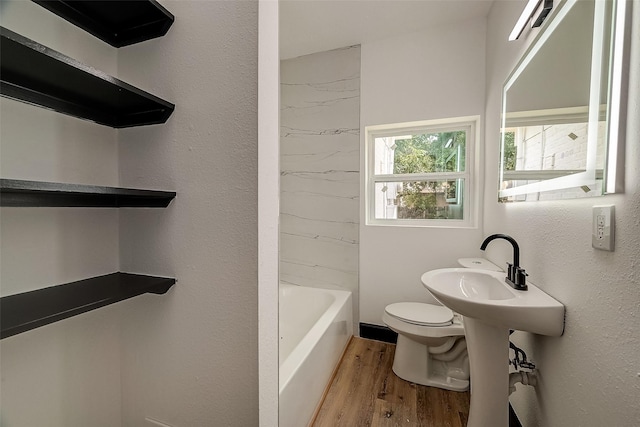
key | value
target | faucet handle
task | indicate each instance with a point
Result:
(520, 278)
(511, 272)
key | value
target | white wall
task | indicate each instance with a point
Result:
(187, 358)
(190, 358)
(590, 375)
(268, 209)
(66, 373)
(433, 74)
(320, 170)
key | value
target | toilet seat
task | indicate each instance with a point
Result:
(421, 314)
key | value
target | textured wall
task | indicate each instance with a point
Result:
(589, 376)
(319, 162)
(66, 374)
(190, 358)
(187, 358)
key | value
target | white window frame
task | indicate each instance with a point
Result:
(471, 192)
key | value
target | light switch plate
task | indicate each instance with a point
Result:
(603, 230)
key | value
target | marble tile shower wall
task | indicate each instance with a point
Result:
(320, 169)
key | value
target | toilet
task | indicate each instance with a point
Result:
(431, 348)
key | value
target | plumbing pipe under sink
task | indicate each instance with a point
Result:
(525, 378)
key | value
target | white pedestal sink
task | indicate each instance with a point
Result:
(491, 308)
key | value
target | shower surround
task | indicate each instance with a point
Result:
(320, 170)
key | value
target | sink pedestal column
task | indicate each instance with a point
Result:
(488, 348)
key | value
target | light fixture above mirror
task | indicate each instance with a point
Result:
(535, 11)
(563, 106)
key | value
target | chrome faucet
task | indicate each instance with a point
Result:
(516, 276)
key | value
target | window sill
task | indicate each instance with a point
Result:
(457, 224)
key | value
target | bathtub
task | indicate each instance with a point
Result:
(315, 327)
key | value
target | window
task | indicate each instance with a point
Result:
(422, 173)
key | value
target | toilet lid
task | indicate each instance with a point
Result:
(421, 314)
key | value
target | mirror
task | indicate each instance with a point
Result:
(561, 111)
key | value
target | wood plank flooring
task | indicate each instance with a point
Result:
(366, 392)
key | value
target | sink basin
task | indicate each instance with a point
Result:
(491, 308)
(484, 295)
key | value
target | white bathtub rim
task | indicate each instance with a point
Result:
(321, 286)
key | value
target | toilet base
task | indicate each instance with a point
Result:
(412, 362)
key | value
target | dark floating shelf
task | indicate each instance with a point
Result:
(23, 312)
(119, 23)
(35, 74)
(16, 193)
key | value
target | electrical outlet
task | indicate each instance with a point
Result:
(603, 234)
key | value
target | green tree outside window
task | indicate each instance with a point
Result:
(426, 153)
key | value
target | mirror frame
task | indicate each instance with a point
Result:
(613, 176)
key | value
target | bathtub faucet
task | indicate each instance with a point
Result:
(516, 276)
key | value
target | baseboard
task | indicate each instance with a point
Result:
(378, 333)
(513, 418)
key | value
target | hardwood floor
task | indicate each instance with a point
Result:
(366, 392)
